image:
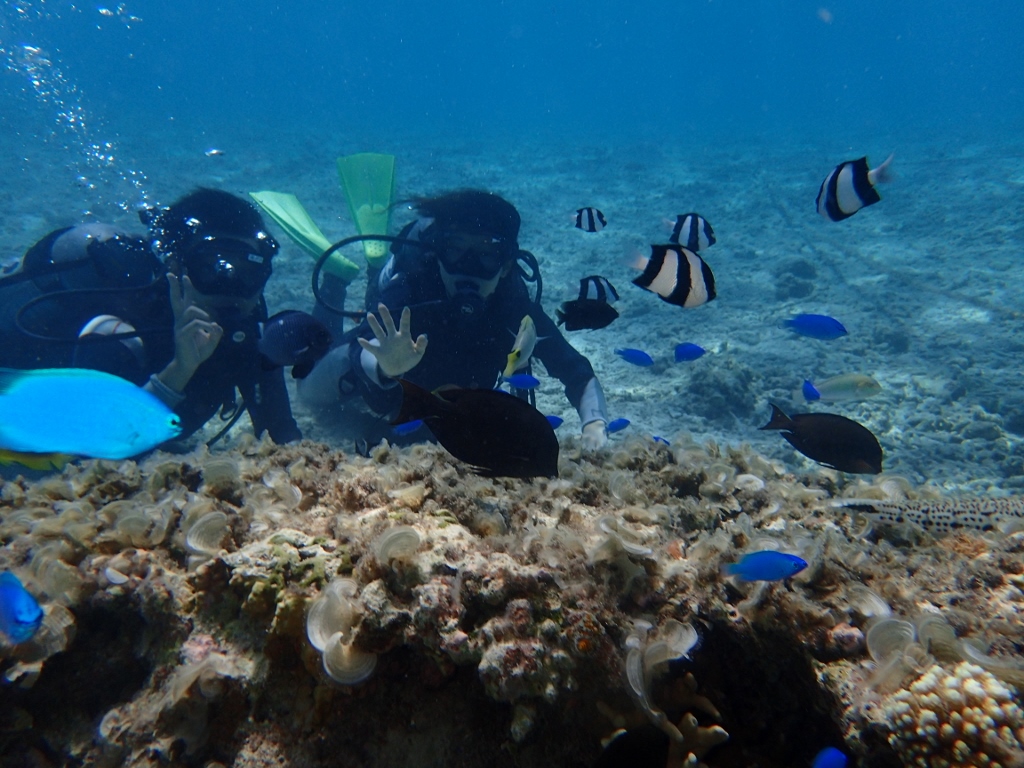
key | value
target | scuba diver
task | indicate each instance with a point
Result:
(179, 316)
(458, 279)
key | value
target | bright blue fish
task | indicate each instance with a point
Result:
(766, 565)
(20, 614)
(687, 352)
(815, 326)
(617, 425)
(80, 412)
(522, 381)
(810, 392)
(555, 421)
(635, 356)
(660, 439)
(829, 757)
(407, 428)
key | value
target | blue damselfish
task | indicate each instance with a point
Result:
(617, 425)
(829, 757)
(815, 326)
(688, 352)
(766, 565)
(20, 613)
(80, 412)
(407, 428)
(522, 381)
(635, 356)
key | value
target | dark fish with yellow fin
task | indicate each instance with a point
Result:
(495, 433)
(830, 439)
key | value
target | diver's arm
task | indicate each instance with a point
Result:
(593, 416)
(395, 351)
(270, 408)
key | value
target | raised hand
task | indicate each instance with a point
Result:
(196, 335)
(395, 350)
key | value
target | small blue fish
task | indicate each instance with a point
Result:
(407, 428)
(80, 412)
(555, 421)
(687, 352)
(617, 425)
(660, 439)
(766, 565)
(829, 757)
(815, 326)
(20, 614)
(810, 392)
(522, 381)
(635, 356)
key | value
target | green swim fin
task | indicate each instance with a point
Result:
(369, 183)
(285, 209)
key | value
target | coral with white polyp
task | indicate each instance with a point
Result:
(329, 625)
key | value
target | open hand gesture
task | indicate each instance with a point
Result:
(395, 350)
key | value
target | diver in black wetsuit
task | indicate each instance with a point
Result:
(459, 284)
(186, 328)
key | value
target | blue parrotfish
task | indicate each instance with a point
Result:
(815, 326)
(20, 613)
(635, 356)
(766, 565)
(80, 412)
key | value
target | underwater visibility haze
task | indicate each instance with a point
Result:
(738, 209)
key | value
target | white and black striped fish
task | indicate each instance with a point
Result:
(590, 219)
(677, 274)
(599, 288)
(849, 187)
(692, 231)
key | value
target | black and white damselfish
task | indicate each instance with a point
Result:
(677, 274)
(692, 231)
(593, 309)
(851, 186)
(590, 219)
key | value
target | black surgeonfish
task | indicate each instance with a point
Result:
(593, 309)
(497, 434)
(849, 187)
(677, 274)
(692, 231)
(827, 438)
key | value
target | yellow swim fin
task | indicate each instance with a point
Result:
(369, 183)
(286, 210)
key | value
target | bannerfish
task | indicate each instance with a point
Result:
(692, 231)
(766, 565)
(815, 326)
(522, 347)
(849, 187)
(830, 439)
(617, 425)
(38, 461)
(688, 352)
(80, 412)
(590, 219)
(497, 434)
(677, 274)
(522, 381)
(847, 386)
(829, 757)
(296, 339)
(407, 428)
(593, 309)
(20, 613)
(635, 356)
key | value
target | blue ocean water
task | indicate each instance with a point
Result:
(737, 110)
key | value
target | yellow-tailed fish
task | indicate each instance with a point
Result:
(40, 461)
(848, 386)
(80, 412)
(525, 341)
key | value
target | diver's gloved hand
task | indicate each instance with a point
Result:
(395, 350)
(594, 436)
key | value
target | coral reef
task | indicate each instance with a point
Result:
(301, 606)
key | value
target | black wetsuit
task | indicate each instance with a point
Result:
(467, 350)
(54, 322)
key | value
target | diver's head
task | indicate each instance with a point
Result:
(94, 256)
(220, 242)
(474, 235)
